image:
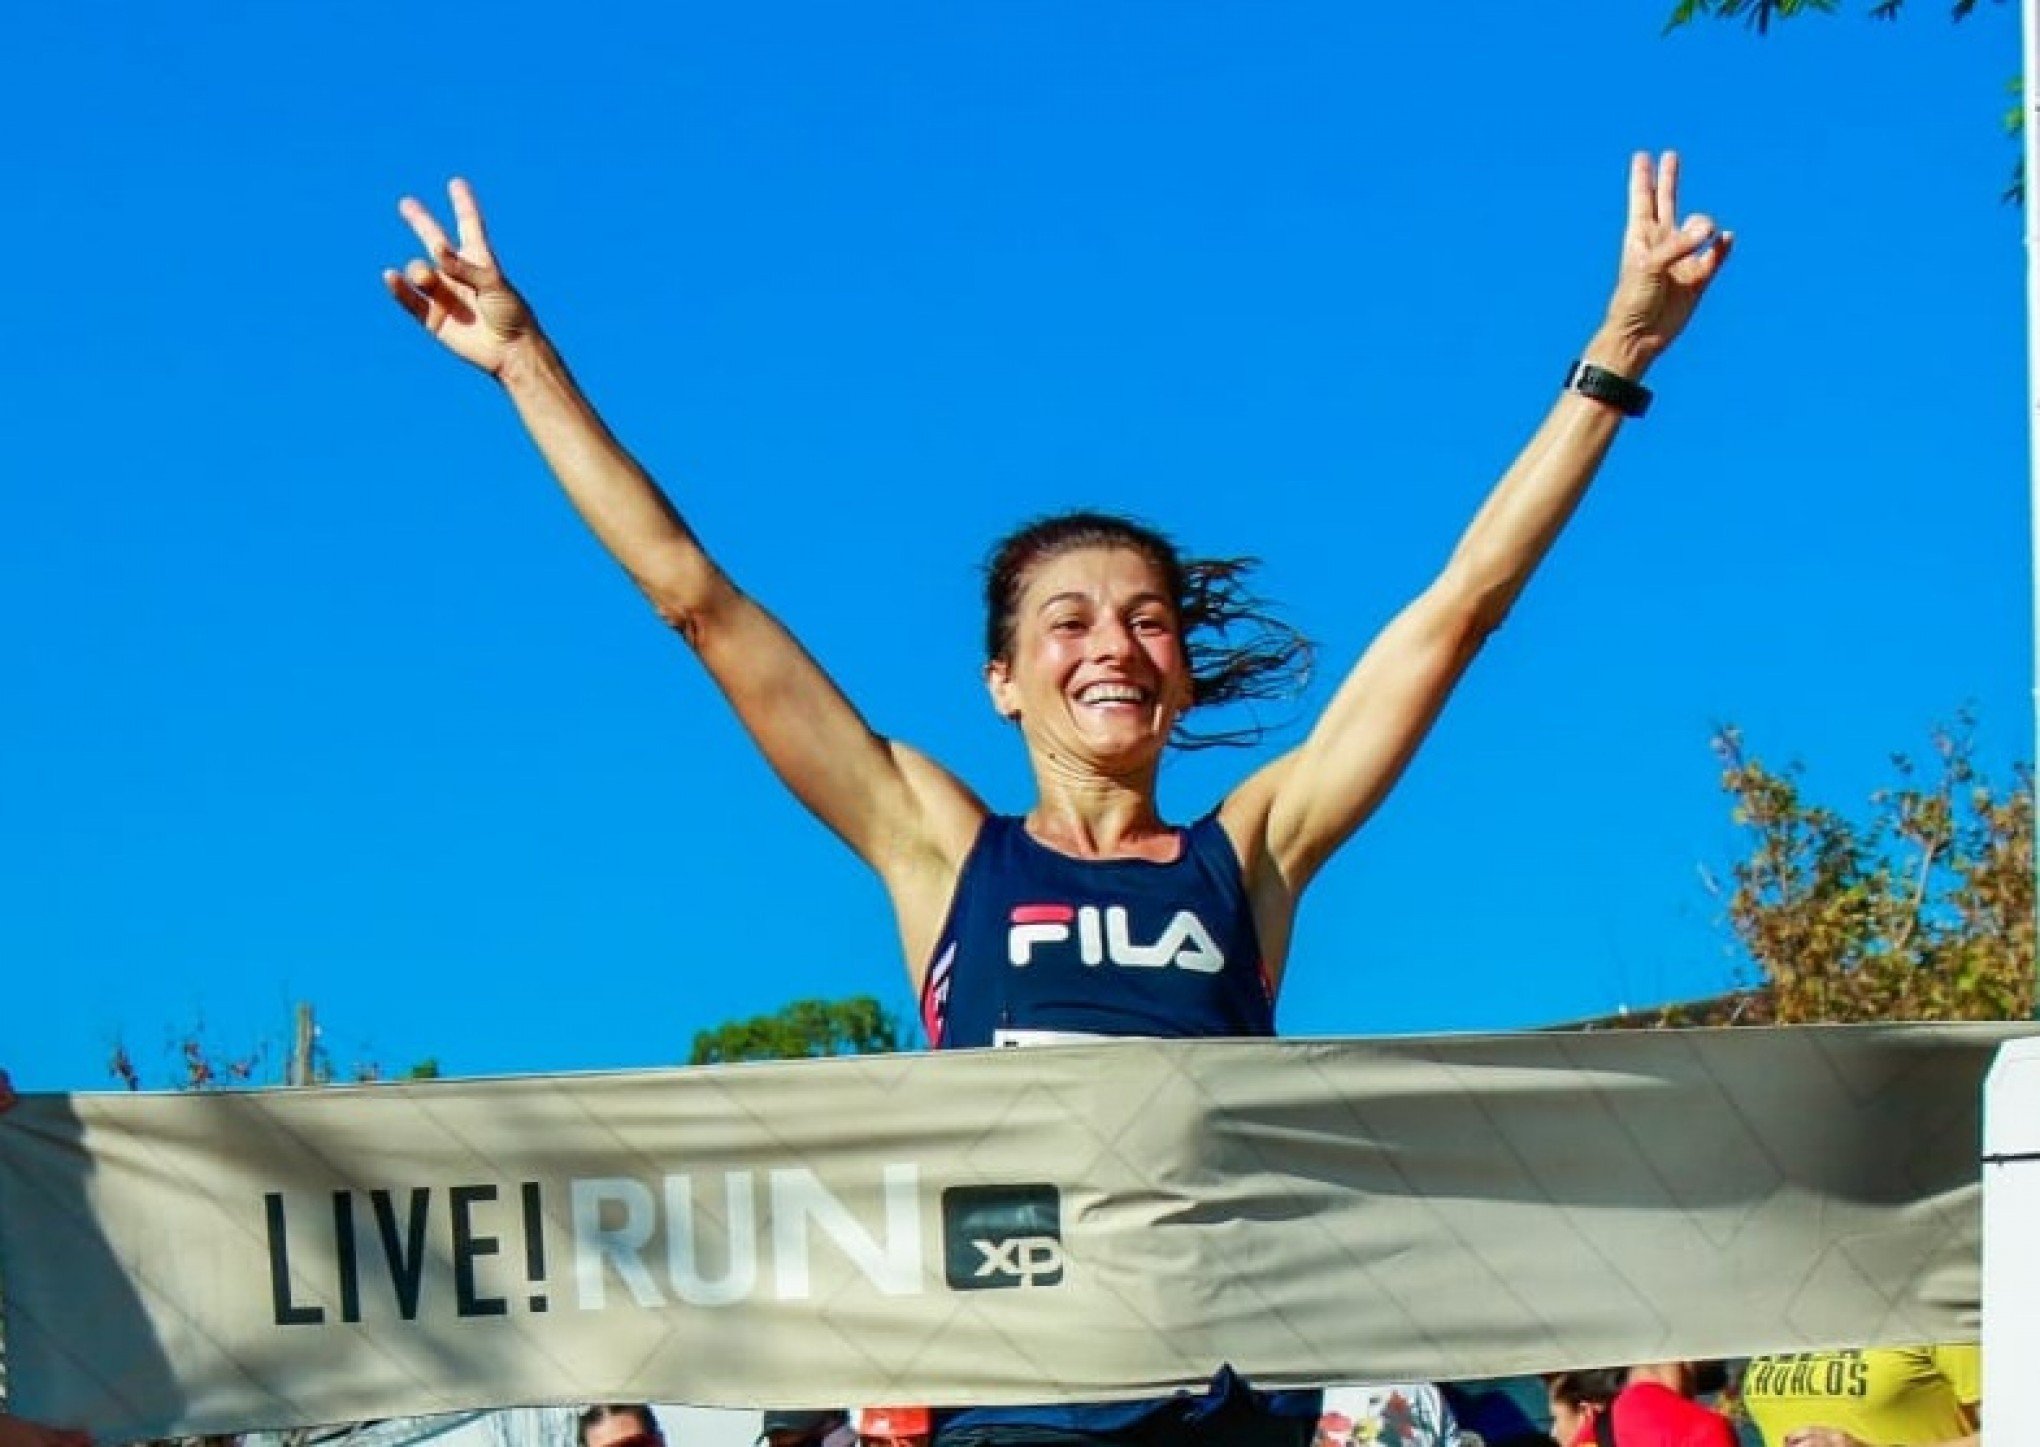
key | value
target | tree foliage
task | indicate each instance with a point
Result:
(856, 1025)
(201, 1064)
(1760, 14)
(1921, 910)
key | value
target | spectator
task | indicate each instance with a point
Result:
(893, 1427)
(1491, 1417)
(1388, 1414)
(1922, 1396)
(1653, 1407)
(1578, 1400)
(830, 1428)
(619, 1424)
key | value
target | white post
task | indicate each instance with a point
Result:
(2011, 1173)
(2029, 49)
(2011, 1246)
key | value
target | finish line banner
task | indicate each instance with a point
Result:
(1065, 1223)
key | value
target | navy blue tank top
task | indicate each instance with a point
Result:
(1039, 946)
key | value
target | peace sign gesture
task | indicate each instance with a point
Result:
(460, 296)
(1666, 264)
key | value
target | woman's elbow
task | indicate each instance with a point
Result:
(1474, 604)
(689, 606)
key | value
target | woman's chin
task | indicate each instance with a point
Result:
(1118, 749)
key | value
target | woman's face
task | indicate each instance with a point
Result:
(1568, 1421)
(1097, 667)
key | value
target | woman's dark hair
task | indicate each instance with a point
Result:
(1588, 1387)
(1238, 650)
(603, 1411)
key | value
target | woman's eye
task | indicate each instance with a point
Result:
(1066, 625)
(1151, 623)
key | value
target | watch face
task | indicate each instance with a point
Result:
(1629, 398)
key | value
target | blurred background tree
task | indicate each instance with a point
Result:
(1922, 909)
(855, 1025)
(203, 1065)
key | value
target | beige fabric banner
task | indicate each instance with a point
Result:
(1061, 1223)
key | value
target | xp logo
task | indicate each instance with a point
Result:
(1106, 934)
(996, 1237)
(1020, 1260)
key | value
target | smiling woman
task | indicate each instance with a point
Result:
(1236, 651)
(1090, 915)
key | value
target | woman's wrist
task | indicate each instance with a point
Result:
(1626, 356)
(529, 362)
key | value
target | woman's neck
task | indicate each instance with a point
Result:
(1100, 819)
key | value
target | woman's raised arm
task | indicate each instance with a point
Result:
(899, 811)
(1295, 812)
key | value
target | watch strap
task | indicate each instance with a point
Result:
(1631, 399)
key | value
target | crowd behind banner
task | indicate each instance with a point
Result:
(1899, 1396)
(1927, 1396)
(223, 1261)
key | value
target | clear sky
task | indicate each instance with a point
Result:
(315, 690)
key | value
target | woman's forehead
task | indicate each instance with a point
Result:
(1103, 572)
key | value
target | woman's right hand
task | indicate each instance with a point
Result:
(460, 294)
(1667, 265)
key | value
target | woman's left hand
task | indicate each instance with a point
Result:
(1667, 265)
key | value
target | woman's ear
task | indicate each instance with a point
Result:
(999, 684)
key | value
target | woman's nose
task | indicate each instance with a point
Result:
(1111, 638)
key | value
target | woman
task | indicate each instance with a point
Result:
(1578, 1401)
(1095, 636)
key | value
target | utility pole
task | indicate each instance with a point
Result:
(304, 1042)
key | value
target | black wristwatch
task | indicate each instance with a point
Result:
(1631, 399)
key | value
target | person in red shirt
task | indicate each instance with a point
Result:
(1653, 1407)
(1656, 1409)
(894, 1427)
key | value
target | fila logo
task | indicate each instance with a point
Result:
(1021, 1259)
(1104, 934)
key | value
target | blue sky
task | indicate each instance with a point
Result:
(317, 692)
